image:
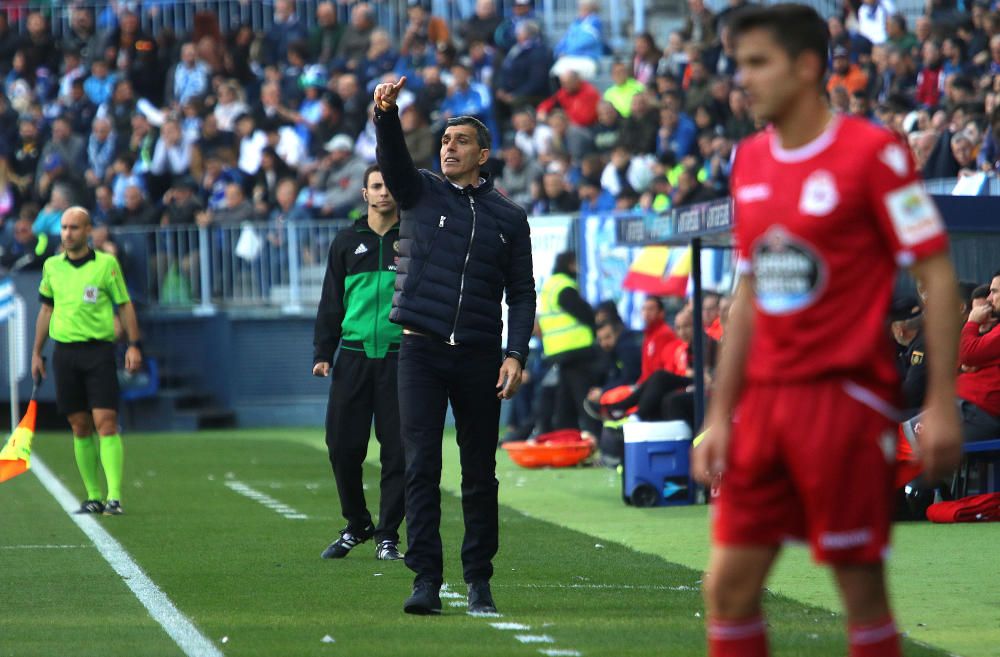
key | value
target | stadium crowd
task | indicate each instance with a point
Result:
(206, 126)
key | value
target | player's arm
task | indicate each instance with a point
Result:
(941, 440)
(709, 459)
(330, 314)
(41, 336)
(133, 355)
(400, 174)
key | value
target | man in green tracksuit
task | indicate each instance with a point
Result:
(354, 313)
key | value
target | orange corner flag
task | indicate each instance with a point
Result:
(15, 457)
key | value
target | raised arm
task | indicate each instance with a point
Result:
(400, 175)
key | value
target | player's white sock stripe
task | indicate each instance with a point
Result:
(183, 632)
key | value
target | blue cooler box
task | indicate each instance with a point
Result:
(656, 469)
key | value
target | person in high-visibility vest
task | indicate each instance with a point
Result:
(566, 322)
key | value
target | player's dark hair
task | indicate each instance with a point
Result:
(796, 28)
(370, 170)
(657, 300)
(482, 132)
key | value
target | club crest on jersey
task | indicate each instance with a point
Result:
(788, 273)
(819, 194)
(894, 157)
(90, 294)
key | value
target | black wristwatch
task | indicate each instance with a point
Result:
(516, 355)
(135, 343)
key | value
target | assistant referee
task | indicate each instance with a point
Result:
(79, 291)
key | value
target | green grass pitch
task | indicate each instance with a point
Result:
(584, 573)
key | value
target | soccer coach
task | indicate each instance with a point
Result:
(79, 290)
(462, 245)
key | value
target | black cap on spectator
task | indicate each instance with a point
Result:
(186, 182)
(904, 308)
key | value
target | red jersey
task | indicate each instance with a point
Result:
(655, 339)
(822, 228)
(980, 386)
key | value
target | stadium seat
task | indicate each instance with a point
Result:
(983, 458)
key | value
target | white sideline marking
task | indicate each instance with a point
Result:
(42, 547)
(534, 638)
(278, 507)
(458, 603)
(556, 652)
(454, 595)
(183, 632)
(510, 626)
(610, 587)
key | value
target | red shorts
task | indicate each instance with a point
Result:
(810, 461)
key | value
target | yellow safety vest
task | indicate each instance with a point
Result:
(561, 332)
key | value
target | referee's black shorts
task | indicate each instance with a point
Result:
(86, 376)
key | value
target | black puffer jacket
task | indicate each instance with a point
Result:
(460, 249)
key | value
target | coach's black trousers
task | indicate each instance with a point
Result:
(363, 387)
(432, 373)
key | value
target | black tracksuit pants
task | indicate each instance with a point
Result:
(363, 387)
(432, 373)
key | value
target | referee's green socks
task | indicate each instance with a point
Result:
(112, 460)
(86, 451)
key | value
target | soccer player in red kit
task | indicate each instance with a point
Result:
(801, 425)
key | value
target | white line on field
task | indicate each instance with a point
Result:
(279, 507)
(42, 547)
(556, 652)
(510, 626)
(192, 642)
(610, 587)
(534, 638)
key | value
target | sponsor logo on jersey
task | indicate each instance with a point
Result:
(819, 194)
(788, 273)
(894, 157)
(753, 193)
(361, 249)
(914, 215)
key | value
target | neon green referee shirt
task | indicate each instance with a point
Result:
(83, 294)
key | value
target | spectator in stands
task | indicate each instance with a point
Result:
(697, 89)
(40, 48)
(420, 139)
(577, 97)
(181, 204)
(66, 148)
(251, 144)
(845, 74)
(482, 25)
(421, 25)
(354, 42)
(136, 56)
(78, 108)
(211, 140)
(137, 211)
(123, 176)
(556, 194)
(566, 139)
(81, 36)
(930, 80)
(101, 151)
(285, 30)
(469, 98)
(343, 176)
(72, 70)
(690, 189)
(235, 209)
(523, 10)
(639, 130)
(354, 103)
(699, 26)
(229, 106)
(47, 222)
(623, 89)
(873, 15)
(379, 59)
(584, 36)
(518, 82)
(979, 383)
(676, 133)
(101, 83)
(189, 77)
(963, 150)
(120, 107)
(530, 136)
(26, 251)
(518, 175)
(272, 170)
(219, 173)
(172, 154)
(324, 40)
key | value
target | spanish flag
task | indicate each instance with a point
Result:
(660, 271)
(15, 457)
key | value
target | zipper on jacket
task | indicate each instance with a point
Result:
(378, 295)
(461, 283)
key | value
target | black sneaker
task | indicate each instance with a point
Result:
(387, 550)
(481, 599)
(91, 506)
(113, 508)
(348, 541)
(593, 409)
(425, 599)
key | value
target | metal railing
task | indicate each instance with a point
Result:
(178, 15)
(201, 268)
